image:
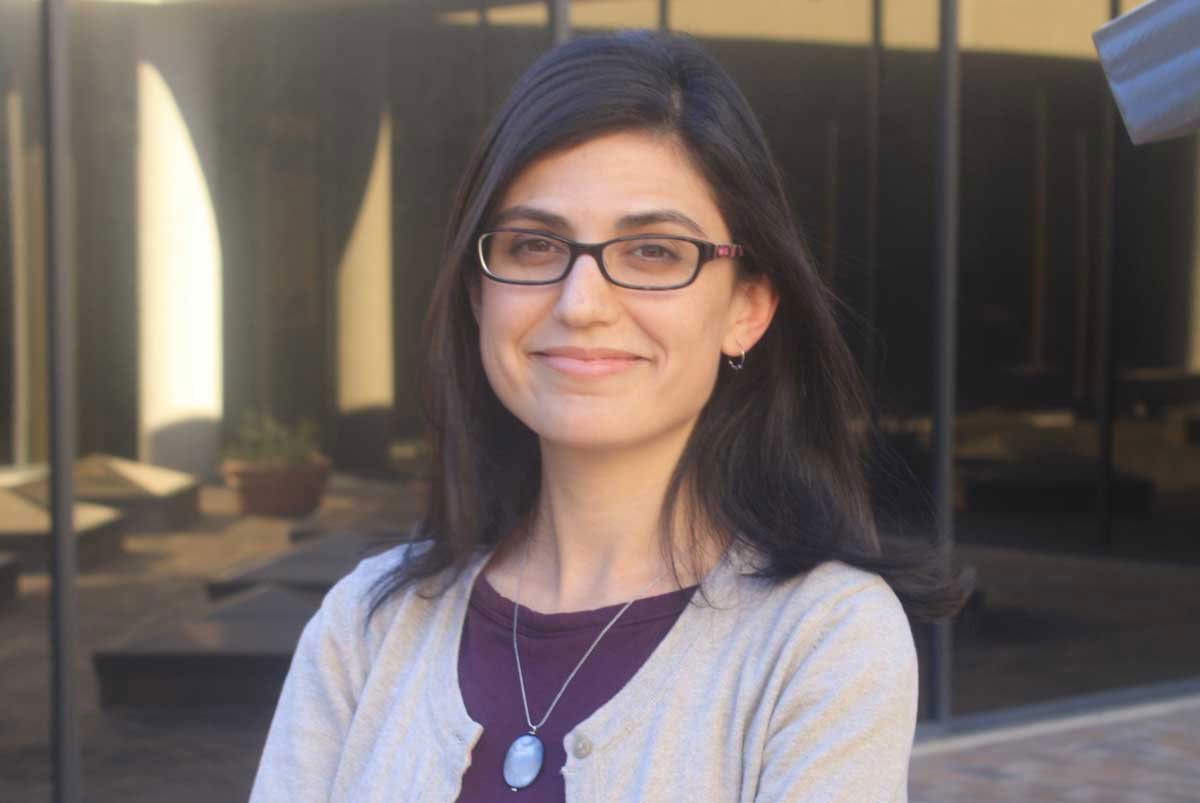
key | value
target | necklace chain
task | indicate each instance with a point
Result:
(520, 675)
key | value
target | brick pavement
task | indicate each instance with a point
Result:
(1147, 754)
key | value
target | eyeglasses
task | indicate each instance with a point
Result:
(638, 262)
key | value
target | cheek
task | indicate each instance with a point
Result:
(490, 347)
(693, 358)
(502, 323)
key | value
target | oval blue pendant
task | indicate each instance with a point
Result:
(523, 761)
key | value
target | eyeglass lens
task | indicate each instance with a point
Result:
(644, 261)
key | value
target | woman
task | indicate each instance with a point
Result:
(648, 570)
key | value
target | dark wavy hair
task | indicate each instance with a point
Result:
(776, 459)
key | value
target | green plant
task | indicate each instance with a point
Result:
(263, 439)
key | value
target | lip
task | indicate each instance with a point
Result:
(578, 361)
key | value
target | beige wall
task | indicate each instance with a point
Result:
(364, 292)
(180, 392)
(1015, 26)
(26, 204)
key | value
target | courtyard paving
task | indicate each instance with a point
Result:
(201, 755)
(1134, 756)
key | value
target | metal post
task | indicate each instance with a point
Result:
(1040, 278)
(945, 334)
(560, 21)
(60, 318)
(871, 199)
(1083, 270)
(1104, 319)
(664, 15)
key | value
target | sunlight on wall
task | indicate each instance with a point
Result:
(1063, 28)
(519, 15)
(842, 22)
(470, 17)
(909, 25)
(26, 205)
(1017, 26)
(146, 2)
(1007, 26)
(22, 308)
(179, 278)
(615, 14)
(364, 291)
(595, 14)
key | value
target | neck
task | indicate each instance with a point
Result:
(596, 536)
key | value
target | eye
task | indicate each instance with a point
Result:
(654, 251)
(535, 245)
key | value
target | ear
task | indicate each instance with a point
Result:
(751, 310)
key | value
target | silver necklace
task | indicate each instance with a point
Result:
(523, 761)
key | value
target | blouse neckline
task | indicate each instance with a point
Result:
(642, 693)
(489, 602)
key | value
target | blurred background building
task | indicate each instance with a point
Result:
(261, 190)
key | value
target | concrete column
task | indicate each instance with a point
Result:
(26, 203)
(180, 393)
(363, 329)
(365, 362)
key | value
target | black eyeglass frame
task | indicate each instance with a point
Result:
(707, 252)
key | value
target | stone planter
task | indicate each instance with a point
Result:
(277, 489)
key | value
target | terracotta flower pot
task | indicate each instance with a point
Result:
(277, 489)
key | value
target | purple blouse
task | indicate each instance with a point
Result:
(551, 645)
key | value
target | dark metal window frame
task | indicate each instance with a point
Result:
(61, 338)
(60, 322)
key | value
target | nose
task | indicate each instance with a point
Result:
(585, 297)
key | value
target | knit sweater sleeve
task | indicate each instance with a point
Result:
(318, 699)
(843, 725)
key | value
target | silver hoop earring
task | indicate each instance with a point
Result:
(740, 364)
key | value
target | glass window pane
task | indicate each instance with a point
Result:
(24, 407)
(1028, 446)
(261, 194)
(23, 382)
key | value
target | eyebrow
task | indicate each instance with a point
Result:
(639, 219)
(547, 219)
(630, 221)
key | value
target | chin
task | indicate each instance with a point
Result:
(604, 431)
(588, 434)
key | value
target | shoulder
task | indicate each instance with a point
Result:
(835, 614)
(829, 587)
(368, 573)
(841, 689)
(837, 587)
(350, 599)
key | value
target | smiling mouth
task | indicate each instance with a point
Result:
(588, 362)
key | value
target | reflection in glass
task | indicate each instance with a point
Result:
(23, 378)
(246, 173)
(1060, 611)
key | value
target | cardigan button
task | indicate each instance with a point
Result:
(582, 747)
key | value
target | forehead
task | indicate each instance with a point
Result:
(613, 175)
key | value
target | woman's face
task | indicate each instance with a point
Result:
(586, 363)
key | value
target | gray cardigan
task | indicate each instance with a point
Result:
(802, 691)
